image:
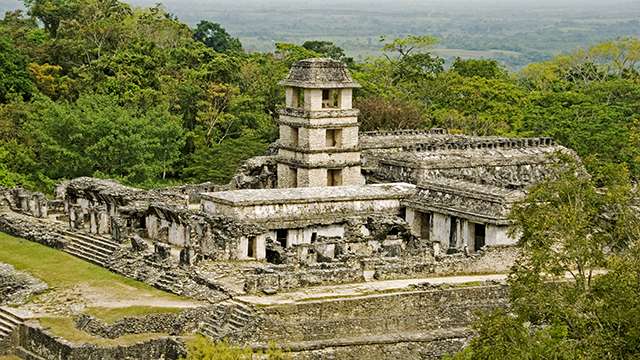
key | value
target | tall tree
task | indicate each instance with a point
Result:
(216, 37)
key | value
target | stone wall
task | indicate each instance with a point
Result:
(430, 347)
(396, 313)
(184, 322)
(33, 340)
(30, 228)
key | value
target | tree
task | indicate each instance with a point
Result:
(216, 37)
(96, 135)
(572, 223)
(484, 68)
(52, 12)
(201, 349)
(405, 46)
(377, 113)
(14, 78)
(328, 49)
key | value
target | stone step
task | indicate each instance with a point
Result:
(98, 240)
(7, 315)
(94, 246)
(241, 305)
(240, 317)
(7, 325)
(245, 312)
(25, 354)
(85, 257)
(235, 325)
(88, 251)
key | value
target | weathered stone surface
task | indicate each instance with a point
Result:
(17, 286)
(33, 340)
(176, 324)
(319, 73)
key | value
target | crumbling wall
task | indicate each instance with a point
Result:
(184, 322)
(26, 227)
(36, 340)
(16, 286)
(256, 173)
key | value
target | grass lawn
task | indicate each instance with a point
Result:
(107, 295)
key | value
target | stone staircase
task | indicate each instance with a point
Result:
(169, 281)
(94, 248)
(9, 321)
(229, 319)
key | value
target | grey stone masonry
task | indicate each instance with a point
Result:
(318, 144)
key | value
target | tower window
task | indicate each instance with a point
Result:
(334, 177)
(334, 138)
(298, 98)
(294, 136)
(330, 98)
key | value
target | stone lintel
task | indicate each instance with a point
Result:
(332, 150)
(318, 165)
(319, 114)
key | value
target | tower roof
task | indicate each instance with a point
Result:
(319, 73)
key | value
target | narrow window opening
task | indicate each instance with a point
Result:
(333, 138)
(294, 136)
(281, 237)
(298, 98)
(314, 237)
(334, 177)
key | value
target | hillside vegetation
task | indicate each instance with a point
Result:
(100, 88)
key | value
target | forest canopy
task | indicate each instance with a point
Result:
(101, 88)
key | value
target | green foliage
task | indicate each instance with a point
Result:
(328, 49)
(378, 113)
(96, 135)
(571, 224)
(404, 46)
(216, 37)
(202, 349)
(52, 12)
(14, 78)
(484, 68)
(219, 162)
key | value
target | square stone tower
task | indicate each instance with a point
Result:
(318, 127)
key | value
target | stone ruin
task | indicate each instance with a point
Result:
(332, 206)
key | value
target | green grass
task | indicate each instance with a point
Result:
(9, 357)
(112, 315)
(65, 328)
(61, 270)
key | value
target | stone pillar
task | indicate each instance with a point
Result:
(414, 220)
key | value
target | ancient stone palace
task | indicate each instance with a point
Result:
(334, 207)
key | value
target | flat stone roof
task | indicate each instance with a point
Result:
(311, 195)
(473, 190)
(453, 158)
